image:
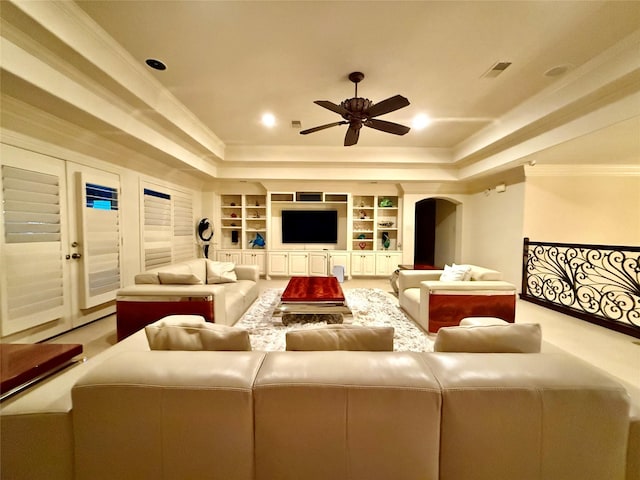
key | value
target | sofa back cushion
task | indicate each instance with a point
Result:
(511, 338)
(481, 273)
(196, 335)
(182, 273)
(341, 337)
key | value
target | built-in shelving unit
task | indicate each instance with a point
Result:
(365, 221)
(375, 219)
(241, 218)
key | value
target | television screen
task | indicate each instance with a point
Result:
(309, 226)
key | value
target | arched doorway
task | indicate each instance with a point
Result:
(435, 232)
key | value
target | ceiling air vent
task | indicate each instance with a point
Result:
(296, 124)
(496, 69)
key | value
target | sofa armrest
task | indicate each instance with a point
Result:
(248, 272)
(150, 290)
(412, 278)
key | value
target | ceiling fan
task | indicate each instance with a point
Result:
(359, 111)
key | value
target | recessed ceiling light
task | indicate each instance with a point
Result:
(157, 64)
(268, 120)
(421, 121)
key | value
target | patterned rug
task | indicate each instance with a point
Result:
(370, 307)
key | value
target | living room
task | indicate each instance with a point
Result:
(546, 149)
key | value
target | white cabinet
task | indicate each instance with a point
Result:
(363, 263)
(229, 256)
(340, 258)
(299, 264)
(255, 258)
(278, 263)
(318, 264)
(387, 262)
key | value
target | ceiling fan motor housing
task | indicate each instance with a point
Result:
(358, 107)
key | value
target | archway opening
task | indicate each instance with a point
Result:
(435, 233)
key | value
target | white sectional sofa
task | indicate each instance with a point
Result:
(219, 291)
(134, 413)
(434, 303)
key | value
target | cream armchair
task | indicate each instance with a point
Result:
(433, 303)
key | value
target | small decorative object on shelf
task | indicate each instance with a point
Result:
(362, 236)
(232, 204)
(386, 241)
(257, 203)
(234, 215)
(256, 215)
(385, 202)
(362, 245)
(363, 215)
(258, 241)
(385, 224)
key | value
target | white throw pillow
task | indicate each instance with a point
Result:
(467, 271)
(221, 272)
(196, 335)
(455, 273)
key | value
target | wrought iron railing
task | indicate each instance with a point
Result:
(597, 283)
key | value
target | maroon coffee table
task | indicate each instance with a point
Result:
(313, 296)
(24, 364)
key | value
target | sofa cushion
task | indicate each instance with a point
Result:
(341, 337)
(511, 338)
(169, 278)
(456, 273)
(147, 278)
(221, 272)
(195, 335)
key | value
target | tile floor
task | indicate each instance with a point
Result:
(613, 352)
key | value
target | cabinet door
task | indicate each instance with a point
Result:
(298, 263)
(255, 258)
(229, 256)
(340, 258)
(363, 264)
(278, 263)
(387, 263)
(318, 264)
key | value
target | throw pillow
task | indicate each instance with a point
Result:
(196, 335)
(341, 337)
(467, 271)
(511, 338)
(221, 272)
(169, 278)
(455, 273)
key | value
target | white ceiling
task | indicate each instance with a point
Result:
(228, 62)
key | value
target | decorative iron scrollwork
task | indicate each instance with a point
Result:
(598, 281)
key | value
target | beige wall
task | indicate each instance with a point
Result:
(598, 209)
(492, 231)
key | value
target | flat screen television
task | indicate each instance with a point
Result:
(309, 226)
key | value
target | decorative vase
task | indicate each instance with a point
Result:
(386, 241)
(362, 245)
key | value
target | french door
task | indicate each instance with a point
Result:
(59, 242)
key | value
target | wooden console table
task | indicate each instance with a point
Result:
(22, 364)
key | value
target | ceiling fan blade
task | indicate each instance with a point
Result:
(332, 106)
(351, 138)
(322, 127)
(388, 127)
(389, 105)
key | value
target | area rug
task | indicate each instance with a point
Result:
(370, 307)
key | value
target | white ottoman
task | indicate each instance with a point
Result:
(475, 321)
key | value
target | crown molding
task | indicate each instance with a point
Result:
(582, 171)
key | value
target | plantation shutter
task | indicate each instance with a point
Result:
(99, 222)
(157, 228)
(183, 228)
(32, 279)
